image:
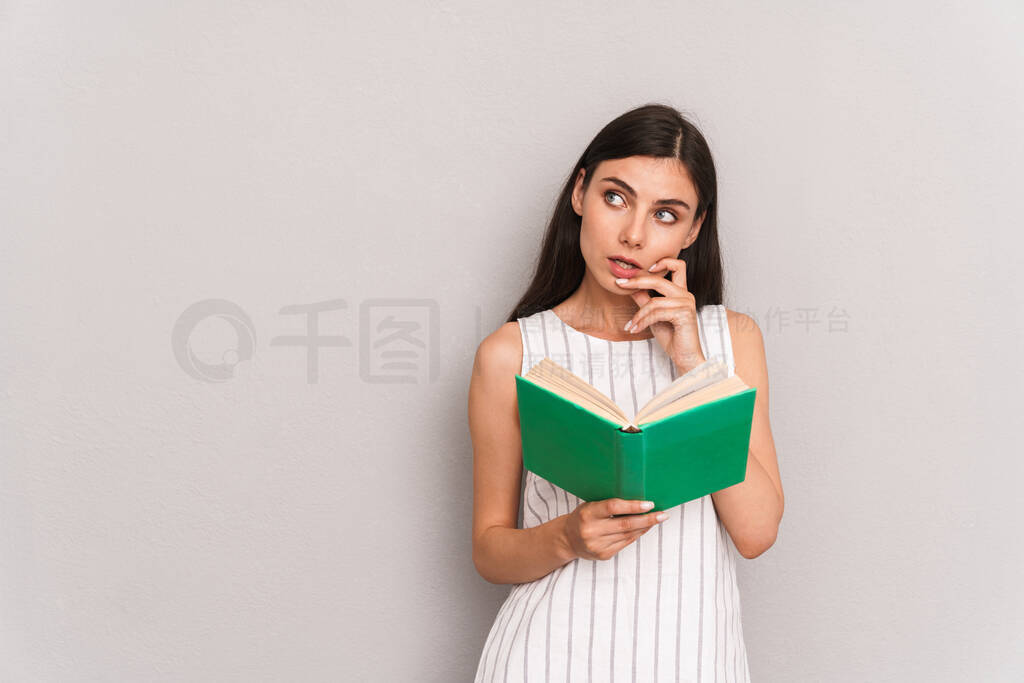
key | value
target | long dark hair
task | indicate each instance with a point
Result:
(655, 130)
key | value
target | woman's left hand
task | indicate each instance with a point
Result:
(671, 317)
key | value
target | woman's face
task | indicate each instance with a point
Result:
(639, 208)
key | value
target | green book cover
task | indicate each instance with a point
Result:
(669, 461)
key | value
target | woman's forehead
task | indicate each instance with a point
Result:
(651, 177)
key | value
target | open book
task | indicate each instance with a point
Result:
(706, 382)
(689, 440)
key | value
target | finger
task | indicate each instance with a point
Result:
(616, 542)
(610, 539)
(616, 546)
(641, 297)
(628, 524)
(652, 308)
(662, 310)
(659, 284)
(620, 506)
(678, 268)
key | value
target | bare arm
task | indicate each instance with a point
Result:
(752, 510)
(503, 553)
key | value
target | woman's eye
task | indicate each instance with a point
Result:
(613, 194)
(610, 193)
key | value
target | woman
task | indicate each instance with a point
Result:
(627, 294)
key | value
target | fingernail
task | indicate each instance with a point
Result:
(662, 516)
(629, 324)
(648, 504)
(652, 267)
(622, 280)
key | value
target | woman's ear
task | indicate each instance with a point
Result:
(694, 230)
(577, 192)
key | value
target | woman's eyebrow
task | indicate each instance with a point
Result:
(625, 186)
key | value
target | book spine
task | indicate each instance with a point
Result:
(631, 465)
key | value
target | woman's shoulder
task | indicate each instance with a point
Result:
(747, 344)
(742, 327)
(501, 352)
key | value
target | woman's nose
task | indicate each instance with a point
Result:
(633, 234)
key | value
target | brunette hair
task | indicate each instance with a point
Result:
(655, 130)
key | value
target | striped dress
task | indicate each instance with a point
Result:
(664, 608)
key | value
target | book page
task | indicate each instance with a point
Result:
(732, 385)
(573, 388)
(705, 374)
(549, 368)
(706, 382)
(569, 393)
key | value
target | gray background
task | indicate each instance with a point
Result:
(283, 525)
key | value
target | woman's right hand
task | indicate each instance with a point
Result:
(593, 534)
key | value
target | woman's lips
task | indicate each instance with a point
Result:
(619, 271)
